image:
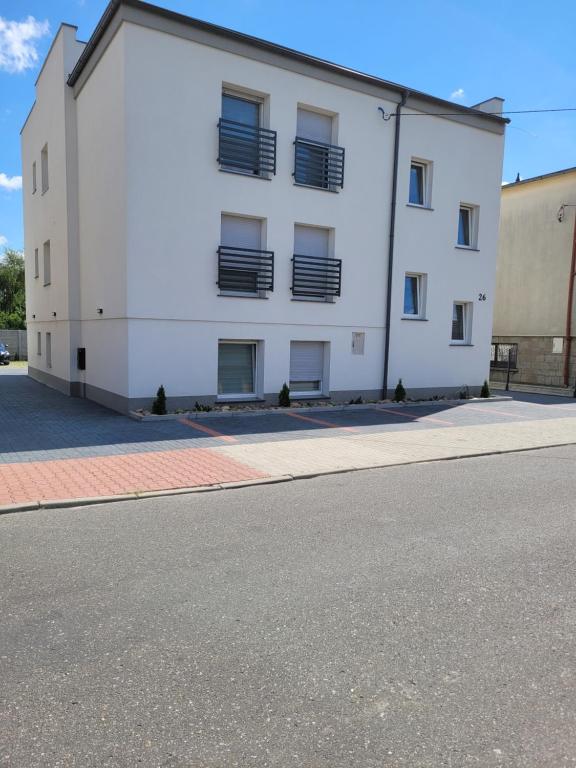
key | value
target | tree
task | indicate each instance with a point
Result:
(12, 292)
(284, 397)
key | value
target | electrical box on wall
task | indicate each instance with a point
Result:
(81, 358)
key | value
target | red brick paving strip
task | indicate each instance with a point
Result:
(111, 475)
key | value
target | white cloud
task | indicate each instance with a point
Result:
(10, 183)
(3, 241)
(457, 94)
(17, 43)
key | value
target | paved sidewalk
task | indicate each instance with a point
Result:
(58, 448)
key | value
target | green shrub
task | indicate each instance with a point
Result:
(159, 404)
(399, 392)
(284, 396)
(485, 391)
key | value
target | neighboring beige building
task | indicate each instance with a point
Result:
(534, 303)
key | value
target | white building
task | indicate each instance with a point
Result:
(215, 213)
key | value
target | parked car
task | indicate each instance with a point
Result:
(4, 354)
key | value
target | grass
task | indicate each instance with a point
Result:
(16, 364)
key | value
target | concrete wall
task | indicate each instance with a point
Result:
(16, 341)
(538, 362)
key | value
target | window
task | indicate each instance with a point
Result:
(44, 168)
(245, 147)
(358, 343)
(33, 177)
(38, 343)
(237, 369)
(244, 268)
(315, 275)
(47, 265)
(36, 263)
(461, 322)
(414, 295)
(468, 226)
(307, 368)
(317, 161)
(49, 350)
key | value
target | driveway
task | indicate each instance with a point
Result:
(414, 617)
(53, 447)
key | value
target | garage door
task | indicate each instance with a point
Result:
(306, 367)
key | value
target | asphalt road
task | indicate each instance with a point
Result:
(418, 616)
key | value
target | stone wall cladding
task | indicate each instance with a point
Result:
(537, 364)
(17, 343)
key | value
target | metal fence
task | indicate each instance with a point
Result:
(501, 353)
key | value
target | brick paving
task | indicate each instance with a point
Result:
(115, 475)
(55, 447)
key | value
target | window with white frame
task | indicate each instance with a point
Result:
(414, 295)
(317, 161)
(34, 177)
(462, 322)
(36, 263)
(49, 350)
(245, 146)
(468, 226)
(420, 183)
(307, 366)
(38, 343)
(316, 275)
(44, 168)
(244, 268)
(47, 263)
(237, 369)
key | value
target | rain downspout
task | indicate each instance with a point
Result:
(398, 113)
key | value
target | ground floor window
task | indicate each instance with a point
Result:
(461, 322)
(237, 368)
(307, 367)
(49, 350)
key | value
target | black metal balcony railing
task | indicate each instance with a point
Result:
(245, 270)
(316, 277)
(246, 148)
(318, 165)
(499, 355)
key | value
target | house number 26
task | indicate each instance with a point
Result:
(481, 297)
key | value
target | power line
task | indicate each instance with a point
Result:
(388, 115)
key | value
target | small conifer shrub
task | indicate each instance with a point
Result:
(159, 404)
(284, 396)
(399, 392)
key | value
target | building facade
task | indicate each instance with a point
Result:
(220, 215)
(534, 307)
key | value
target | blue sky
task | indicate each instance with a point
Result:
(522, 50)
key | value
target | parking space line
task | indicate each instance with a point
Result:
(208, 430)
(498, 412)
(322, 422)
(400, 412)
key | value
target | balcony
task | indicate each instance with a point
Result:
(246, 149)
(318, 165)
(245, 270)
(315, 277)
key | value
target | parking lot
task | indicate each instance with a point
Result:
(52, 445)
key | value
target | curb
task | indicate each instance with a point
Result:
(237, 485)
(200, 415)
